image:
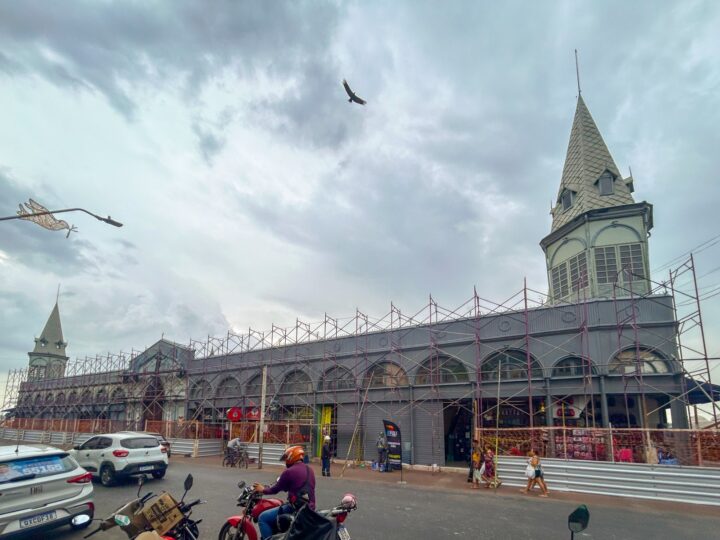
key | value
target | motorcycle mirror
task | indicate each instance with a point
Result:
(578, 520)
(241, 484)
(121, 520)
(80, 520)
(188, 484)
(141, 482)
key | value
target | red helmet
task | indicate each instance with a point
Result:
(292, 455)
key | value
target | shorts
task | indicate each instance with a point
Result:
(538, 473)
(477, 476)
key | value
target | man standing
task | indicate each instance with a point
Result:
(326, 455)
(382, 451)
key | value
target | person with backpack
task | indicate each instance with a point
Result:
(298, 480)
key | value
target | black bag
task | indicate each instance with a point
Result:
(309, 525)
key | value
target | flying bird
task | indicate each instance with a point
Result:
(353, 96)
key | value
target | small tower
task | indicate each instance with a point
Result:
(48, 359)
(598, 245)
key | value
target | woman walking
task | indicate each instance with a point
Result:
(489, 475)
(535, 474)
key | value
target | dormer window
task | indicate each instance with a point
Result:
(567, 198)
(606, 183)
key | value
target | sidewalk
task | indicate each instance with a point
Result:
(457, 482)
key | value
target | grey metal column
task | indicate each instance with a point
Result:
(604, 403)
(548, 404)
(678, 410)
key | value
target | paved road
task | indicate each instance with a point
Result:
(396, 512)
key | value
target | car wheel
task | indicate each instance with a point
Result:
(107, 475)
(158, 474)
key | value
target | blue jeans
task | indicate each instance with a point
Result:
(326, 466)
(268, 518)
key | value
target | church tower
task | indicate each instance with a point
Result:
(48, 359)
(598, 244)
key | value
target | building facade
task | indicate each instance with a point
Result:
(601, 350)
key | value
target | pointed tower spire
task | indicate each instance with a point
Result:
(51, 339)
(48, 358)
(587, 161)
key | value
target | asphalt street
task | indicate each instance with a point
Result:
(404, 512)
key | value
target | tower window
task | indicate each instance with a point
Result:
(631, 262)
(605, 264)
(578, 272)
(560, 281)
(606, 183)
(567, 198)
(611, 259)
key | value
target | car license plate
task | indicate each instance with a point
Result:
(146, 468)
(343, 533)
(39, 519)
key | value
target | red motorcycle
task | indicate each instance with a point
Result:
(244, 526)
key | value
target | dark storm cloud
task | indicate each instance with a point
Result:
(114, 48)
(30, 244)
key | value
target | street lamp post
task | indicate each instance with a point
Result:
(108, 220)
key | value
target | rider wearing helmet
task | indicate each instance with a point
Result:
(298, 480)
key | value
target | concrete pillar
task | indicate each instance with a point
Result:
(548, 404)
(679, 414)
(604, 403)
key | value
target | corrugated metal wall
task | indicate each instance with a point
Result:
(429, 433)
(374, 414)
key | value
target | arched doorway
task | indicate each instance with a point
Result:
(153, 401)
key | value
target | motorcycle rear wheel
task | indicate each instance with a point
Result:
(228, 532)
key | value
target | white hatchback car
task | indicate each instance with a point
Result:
(41, 488)
(116, 455)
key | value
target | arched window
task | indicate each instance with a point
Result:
(442, 369)
(49, 399)
(72, 398)
(337, 378)
(118, 396)
(296, 382)
(254, 386)
(385, 375)
(626, 362)
(86, 397)
(509, 365)
(200, 389)
(60, 399)
(229, 388)
(38, 399)
(574, 366)
(101, 396)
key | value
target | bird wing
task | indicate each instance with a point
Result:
(36, 206)
(348, 90)
(359, 100)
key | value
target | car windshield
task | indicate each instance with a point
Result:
(140, 442)
(16, 470)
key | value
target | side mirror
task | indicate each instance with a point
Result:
(578, 520)
(76, 447)
(188, 482)
(141, 482)
(79, 521)
(241, 484)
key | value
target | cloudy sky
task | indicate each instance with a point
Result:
(252, 192)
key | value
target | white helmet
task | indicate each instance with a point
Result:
(327, 438)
